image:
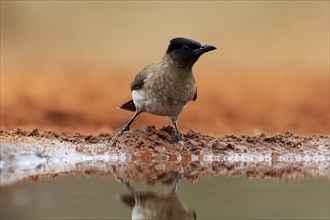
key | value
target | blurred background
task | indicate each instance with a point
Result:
(67, 65)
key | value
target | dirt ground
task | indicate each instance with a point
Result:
(223, 131)
(85, 101)
(149, 155)
(150, 141)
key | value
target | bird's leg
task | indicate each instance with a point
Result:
(129, 188)
(177, 177)
(126, 128)
(177, 135)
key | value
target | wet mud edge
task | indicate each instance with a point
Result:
(153, 142)
(148, 152)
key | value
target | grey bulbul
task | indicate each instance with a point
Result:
(151, 205)
(166, 86)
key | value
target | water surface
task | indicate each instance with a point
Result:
(212, 198)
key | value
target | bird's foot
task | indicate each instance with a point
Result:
(124, 130)
(126, 183)
(176, 138)
(177, 176)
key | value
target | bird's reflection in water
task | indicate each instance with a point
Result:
(151, 205)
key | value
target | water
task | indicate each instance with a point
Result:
(81, 197)
(55, 181)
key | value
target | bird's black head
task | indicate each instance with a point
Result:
(186, 51)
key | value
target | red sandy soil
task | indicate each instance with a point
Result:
(154, 159)
(149, 142)
(227, 103)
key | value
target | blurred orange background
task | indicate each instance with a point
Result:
(67, 65)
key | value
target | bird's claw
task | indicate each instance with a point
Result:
(126, 184)
(176, 138)
(124, 130)
(177, 176)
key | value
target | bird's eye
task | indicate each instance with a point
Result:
(186, 47)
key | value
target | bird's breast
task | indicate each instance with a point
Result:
(164, 94)
(151, 103)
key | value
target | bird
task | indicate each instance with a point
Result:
(151, 205)
(166, 86)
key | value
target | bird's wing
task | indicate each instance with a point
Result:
(139, 79)
(138, 82)
(195, 96)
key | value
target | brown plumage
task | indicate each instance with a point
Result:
(165, 87)
(151, 205)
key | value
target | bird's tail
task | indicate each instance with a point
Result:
(129, 106)
(129, 199)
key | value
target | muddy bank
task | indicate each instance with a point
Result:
(147, 155)
(150, 140)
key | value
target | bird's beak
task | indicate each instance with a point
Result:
(203, 49)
